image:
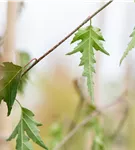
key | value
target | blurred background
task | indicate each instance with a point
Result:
(28, 29)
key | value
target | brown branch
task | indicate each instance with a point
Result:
(72, 132)
(64, 39)
(34, 59)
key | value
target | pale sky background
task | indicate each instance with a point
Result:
(42, 24)
(45, 22)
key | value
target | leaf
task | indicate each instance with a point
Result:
(9, 81)
(22, 140)
(89, 39)
(24, 59)
(26, 130)
(131, 45)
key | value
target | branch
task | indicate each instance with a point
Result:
(64, 39)
(34, 59)
(84, 122)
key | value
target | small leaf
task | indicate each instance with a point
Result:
(131, 45)
(89, 39)
(26, 130)
(9, 81)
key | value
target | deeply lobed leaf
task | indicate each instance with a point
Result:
(89, 39)
(131, 45)
(10, 76)
(26, 130)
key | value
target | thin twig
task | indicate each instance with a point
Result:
(65, 38)
(83, 123)
(18, 103)
(34, 59)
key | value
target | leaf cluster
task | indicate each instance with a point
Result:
(10, 80)
(26, 130)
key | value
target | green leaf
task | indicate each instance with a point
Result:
(89, 39)
(131, 45)
(9, 81)
(22, 140)
(24, 59)
(26, 130)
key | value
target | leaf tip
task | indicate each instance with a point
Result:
(69, 53)
(120, 62)
(9, 111)
(108, 54)
(8, 139)
(72, 42)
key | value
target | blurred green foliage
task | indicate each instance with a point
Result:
(24, 58)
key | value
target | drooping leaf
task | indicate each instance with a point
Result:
(131, 45)
(89, 39)
(27, 130)
(24, 59)
(22, 140)
(10, 76)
